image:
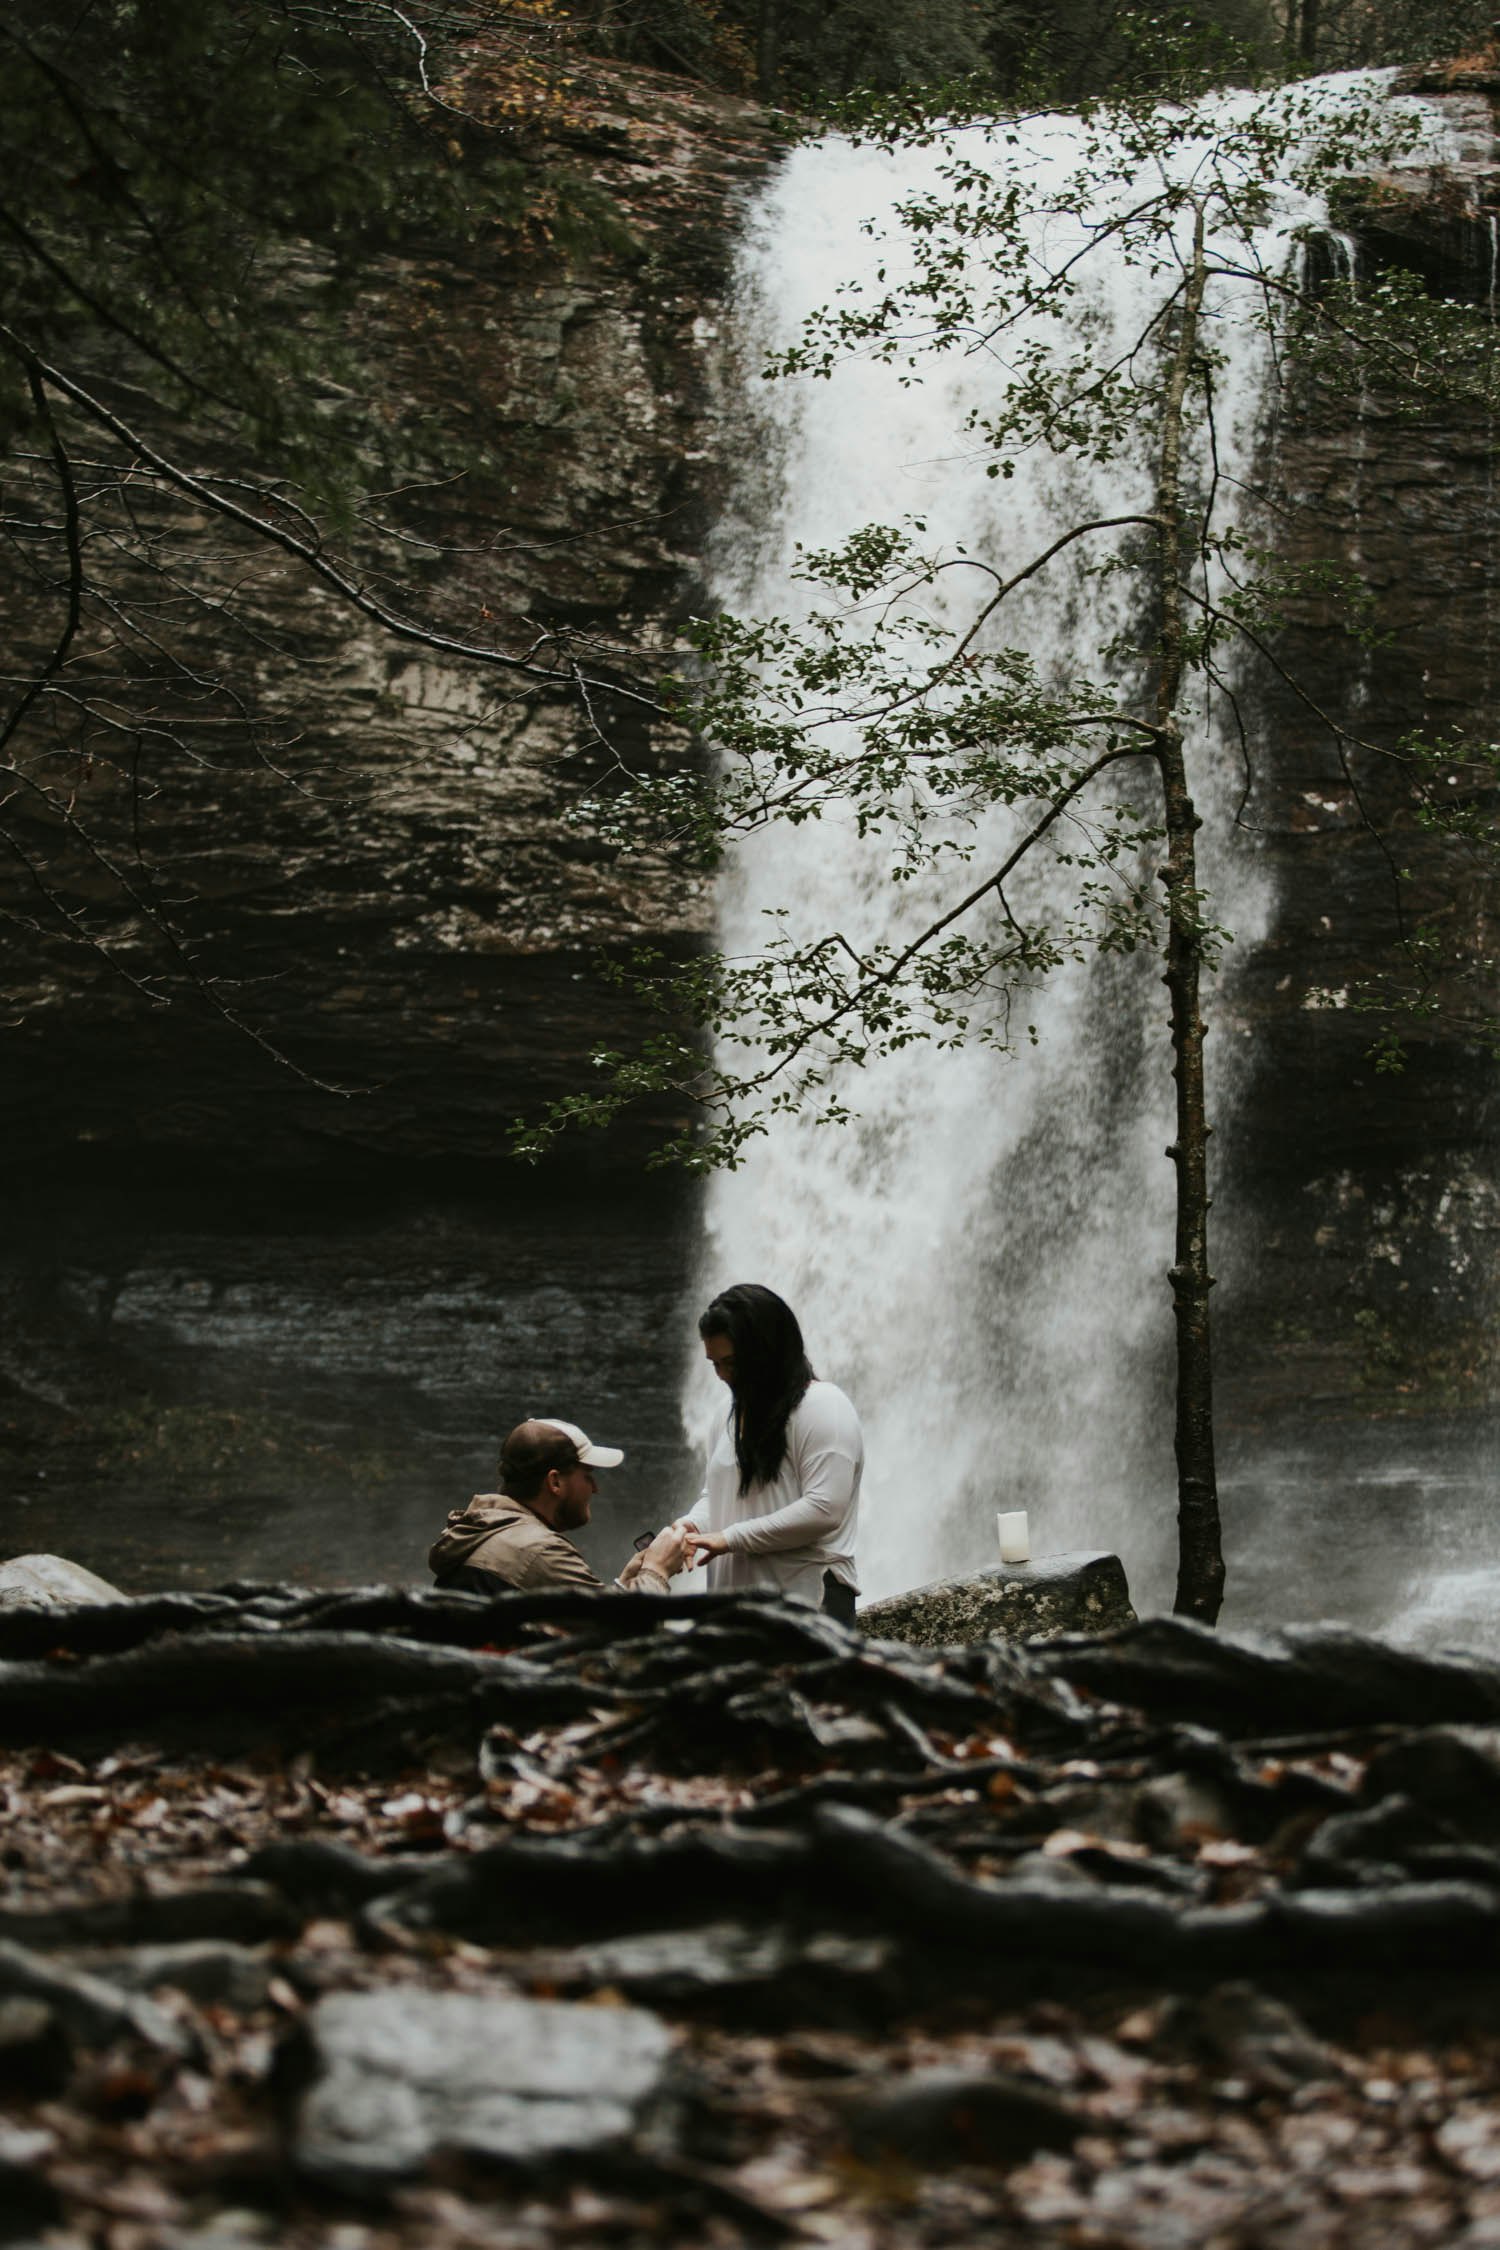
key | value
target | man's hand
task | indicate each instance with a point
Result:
(668, 1551)
(704, 1545)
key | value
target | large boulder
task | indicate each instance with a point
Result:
(1032, 1601)
(50, 1582)
(400, 2077)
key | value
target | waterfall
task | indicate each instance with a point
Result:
(980, 1259)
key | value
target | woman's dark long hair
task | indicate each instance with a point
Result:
(771, 1372)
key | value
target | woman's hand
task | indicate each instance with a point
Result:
(704, 1545)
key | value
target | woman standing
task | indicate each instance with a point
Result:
(780, 1501)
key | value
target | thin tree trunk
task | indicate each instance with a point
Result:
(1200, 1565)
(1291, 38)
(1307, 42)
(767, 49)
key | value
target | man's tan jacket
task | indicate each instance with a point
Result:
(502, 1538)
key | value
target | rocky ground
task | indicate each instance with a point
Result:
(377, 1919)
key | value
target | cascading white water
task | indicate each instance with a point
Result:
(980, 1259)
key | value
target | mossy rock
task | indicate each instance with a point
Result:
(1032, 1601)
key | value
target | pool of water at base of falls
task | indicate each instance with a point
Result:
(1389, 1527)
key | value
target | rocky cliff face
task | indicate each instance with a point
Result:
(1358, 1374)
(295, 1317)
(400, 903)
(1367, 1280)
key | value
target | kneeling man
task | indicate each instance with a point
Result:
(517, 1537)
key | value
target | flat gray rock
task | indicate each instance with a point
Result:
(1032, 1601)
(724, 1959)
(399, 2076)
(51, 1582)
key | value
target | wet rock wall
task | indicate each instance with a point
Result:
(1364, 1246)
(267, 1314)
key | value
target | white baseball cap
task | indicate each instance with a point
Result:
(592, 1456)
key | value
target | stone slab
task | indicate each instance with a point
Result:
(1035, 1601)
(726, 1961)
(51, 1582)
(401, 2076)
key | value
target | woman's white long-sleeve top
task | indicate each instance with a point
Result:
(784, 1535)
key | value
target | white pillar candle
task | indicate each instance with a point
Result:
(1015, 1541)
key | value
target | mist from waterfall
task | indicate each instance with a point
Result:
(980, 1259)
